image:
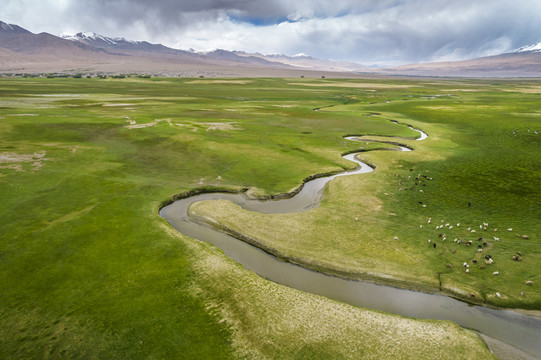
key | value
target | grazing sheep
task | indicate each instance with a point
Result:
(529, 283)
(473, 231)
(396, 237)
(449, 266)
(498, 294)
(451, 227)
(479, 250)
(467, 271)
(454, 251)
(465, 264)
(522, 293)
(496, 239)
(457, 225)
(489, 261)
(525, 237)
(510, 229)
(496, 273)
(472, 295)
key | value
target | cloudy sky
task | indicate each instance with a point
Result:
(381, 32)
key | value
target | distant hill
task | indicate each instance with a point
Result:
(524, 62)
(24, 51)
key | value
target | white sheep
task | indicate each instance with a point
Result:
(495, 273)
(496, 238)
(498, 294)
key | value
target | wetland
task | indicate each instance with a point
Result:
(92, 270)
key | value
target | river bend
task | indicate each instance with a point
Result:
(521, 331)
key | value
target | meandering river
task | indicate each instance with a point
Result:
(521, 331)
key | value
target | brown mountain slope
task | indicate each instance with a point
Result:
(524, 64)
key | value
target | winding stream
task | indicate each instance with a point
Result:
(521, 331)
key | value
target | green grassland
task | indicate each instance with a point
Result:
(89, 270)
(480, 165)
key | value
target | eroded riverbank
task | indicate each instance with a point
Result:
(510, 327)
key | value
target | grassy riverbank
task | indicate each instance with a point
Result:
(480, 166)
(88, 269)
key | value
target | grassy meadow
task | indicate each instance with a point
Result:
(89, 270)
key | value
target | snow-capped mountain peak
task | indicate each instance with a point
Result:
(11, 28)
(530, 48)
(93, 37)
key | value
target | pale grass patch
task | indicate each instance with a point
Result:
(356, 85)
(447, 108)
(526, 90)
(202, 82)
(221, 126)
(36, 159)
(460, 90)
(266, 319)
(134, 125)
(117, 105)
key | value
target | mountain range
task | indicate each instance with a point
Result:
(24, 52)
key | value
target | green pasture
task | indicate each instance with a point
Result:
(480, 165)
(89, 270)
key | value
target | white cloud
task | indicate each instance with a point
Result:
(369, 31)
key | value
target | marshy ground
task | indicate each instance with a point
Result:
(88, 268)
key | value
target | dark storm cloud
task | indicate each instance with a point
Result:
(160, 14)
